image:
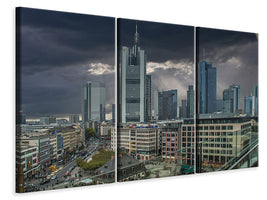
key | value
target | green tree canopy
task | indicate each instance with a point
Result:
(90, 132)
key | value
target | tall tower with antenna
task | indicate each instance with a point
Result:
(133, 83)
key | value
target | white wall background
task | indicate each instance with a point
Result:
(228, 14)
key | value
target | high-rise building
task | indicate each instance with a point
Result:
(254, 92)
(183, 109)
(47, 120)
(231, 99)
(219, 105)
(174, 101)
(132, 83)
(207, 87)
(148, 98)
(113, 113)
(93, 102)
(249, 105)
(156, 105)
(73, 118)
(165, 105)
(190, 102)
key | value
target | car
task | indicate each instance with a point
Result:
(67, 174)
(54, 177)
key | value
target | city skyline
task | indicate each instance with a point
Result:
(169, 51)
(235, 56)
(59, 52)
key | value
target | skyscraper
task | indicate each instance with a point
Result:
(207, 87)
(133, 83)
(156, 105)
(249, 103)
(254, 92)
(174, 101)
(183, 109)
(231, 99)
(148, 98)
(219, 105)
(93, 102)
(165, 105)
(190, 102)
(113, 113)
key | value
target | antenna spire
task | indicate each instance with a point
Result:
(203, 53)
(136, 35)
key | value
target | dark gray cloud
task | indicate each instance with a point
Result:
(58, 53)
(234, 54)
(161, 41)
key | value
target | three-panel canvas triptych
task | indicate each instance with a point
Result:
(102, 100)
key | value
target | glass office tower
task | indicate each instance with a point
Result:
(208, 87)
(93, 102)
(133, 83)
(190, 102)
(232, 99)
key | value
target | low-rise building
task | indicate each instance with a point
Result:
(140, 140)
(28, 157)
(219, 138)
(130, 168)
(170, 141)
(71, 137)
(105, 129)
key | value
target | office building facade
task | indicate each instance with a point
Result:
(93, 102)
(148, 99)
(165, 105)
(232, 99)
(133, 83)
(207, 87)
(140, 140)
(170, 141)
(190, 102)
(183, 109)
(254, 92)
(249, 105)
(74, 119)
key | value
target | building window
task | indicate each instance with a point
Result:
(230, 127)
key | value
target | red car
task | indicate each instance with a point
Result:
(67, 174)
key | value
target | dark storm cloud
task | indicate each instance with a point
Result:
(58, 50)
(234, 54)
(169, 49)
(57, 39)
(161, 41)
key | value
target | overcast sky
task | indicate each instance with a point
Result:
(59, 52)
(234, 54)
(170, 53)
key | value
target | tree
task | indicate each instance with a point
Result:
(90, 132)
(109, 132)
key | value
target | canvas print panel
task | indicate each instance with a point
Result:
(227, 100)
(155, 100)
(64, 100)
